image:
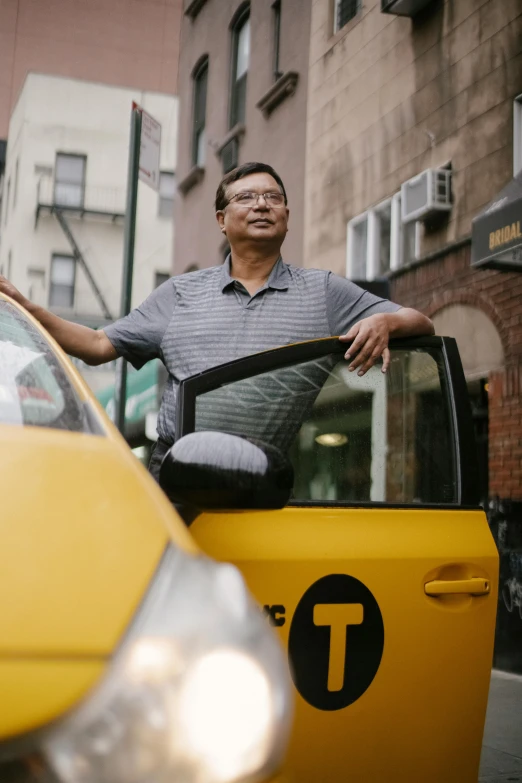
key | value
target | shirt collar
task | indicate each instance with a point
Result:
(279, 276)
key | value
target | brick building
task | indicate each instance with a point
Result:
(123, 43)
(391, 97)
(242, 88)
(69, 72)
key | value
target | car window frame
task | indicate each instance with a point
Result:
(453, 387)
(91, 416)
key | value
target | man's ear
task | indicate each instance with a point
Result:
(220, 217)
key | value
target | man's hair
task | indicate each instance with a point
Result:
(243, 171)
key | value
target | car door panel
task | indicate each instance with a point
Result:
(391, 681)
(425, 707)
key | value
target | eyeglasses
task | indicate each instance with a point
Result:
(249, 199)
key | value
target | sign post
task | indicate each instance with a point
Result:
(144, 161)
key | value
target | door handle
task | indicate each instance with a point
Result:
(477, 585)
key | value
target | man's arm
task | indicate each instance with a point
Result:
(93, 347)
(371, 336)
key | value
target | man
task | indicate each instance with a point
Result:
(253, 302)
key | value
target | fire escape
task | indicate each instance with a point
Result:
(93, 203)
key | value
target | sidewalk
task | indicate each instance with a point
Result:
(502, 748)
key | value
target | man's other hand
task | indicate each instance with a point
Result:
(370, 341)
(371, 336)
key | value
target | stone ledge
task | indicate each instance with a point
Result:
(194, 176)
(285, 86)
(193, 7)
(237, 132)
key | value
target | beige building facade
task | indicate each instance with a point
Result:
(126, 43)
(243, 89)
(391, 96)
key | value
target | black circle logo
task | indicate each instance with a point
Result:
(336, 642)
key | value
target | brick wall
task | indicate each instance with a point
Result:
(449, 279)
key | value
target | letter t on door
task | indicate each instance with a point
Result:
(338, 617)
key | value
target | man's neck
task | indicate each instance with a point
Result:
(252, 269)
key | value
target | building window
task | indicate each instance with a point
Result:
(240, 63)
(276, 27)
(344, 12)
(517, 135)
(15, 184)
(167, 190)
(160, 278)
(63, 275)
(7, 192)
(69, 180)
(230, 155)
(379, 242)
(200, 114)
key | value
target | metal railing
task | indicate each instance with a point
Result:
(80, 198)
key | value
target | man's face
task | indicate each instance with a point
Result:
(261, 222)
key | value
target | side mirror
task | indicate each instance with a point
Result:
(219, 470)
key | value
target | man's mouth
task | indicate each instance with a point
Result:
(263, 221)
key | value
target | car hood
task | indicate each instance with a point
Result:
(82, 528)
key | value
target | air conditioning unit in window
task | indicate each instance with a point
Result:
(403, 7)
(426, 195)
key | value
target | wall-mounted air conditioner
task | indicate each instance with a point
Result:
(426, 195)
(403, 7)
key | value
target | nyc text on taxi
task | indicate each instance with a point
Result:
(125, 654)
(351, 506)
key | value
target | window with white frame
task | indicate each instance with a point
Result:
(167, 190)
(379, 242)
(63, 276)
(517, 135)
(69, 180)
(344, 12)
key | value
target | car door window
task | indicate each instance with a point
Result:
(34, 388)
(376, 438)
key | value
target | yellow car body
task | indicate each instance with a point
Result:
(83, 531)
(380, 574)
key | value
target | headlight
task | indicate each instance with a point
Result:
(199, 691)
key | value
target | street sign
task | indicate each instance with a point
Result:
(150, 142)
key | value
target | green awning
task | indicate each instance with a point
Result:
(142, 394)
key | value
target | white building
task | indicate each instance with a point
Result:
(63, 200)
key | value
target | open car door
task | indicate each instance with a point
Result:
(380, 574)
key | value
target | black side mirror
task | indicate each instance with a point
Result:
(219, 470)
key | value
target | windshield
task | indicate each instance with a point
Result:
(34, 389)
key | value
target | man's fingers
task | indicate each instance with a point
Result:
(357, 345)
(366, 351)
(386, 357)
(351, 335)
(353, 332)
(367, 357)
(375, 356)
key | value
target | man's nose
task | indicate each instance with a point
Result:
(261, 203)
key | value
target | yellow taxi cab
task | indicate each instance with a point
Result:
(126, 656)
(351, 506)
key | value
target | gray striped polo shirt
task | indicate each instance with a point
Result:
(202, 319)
